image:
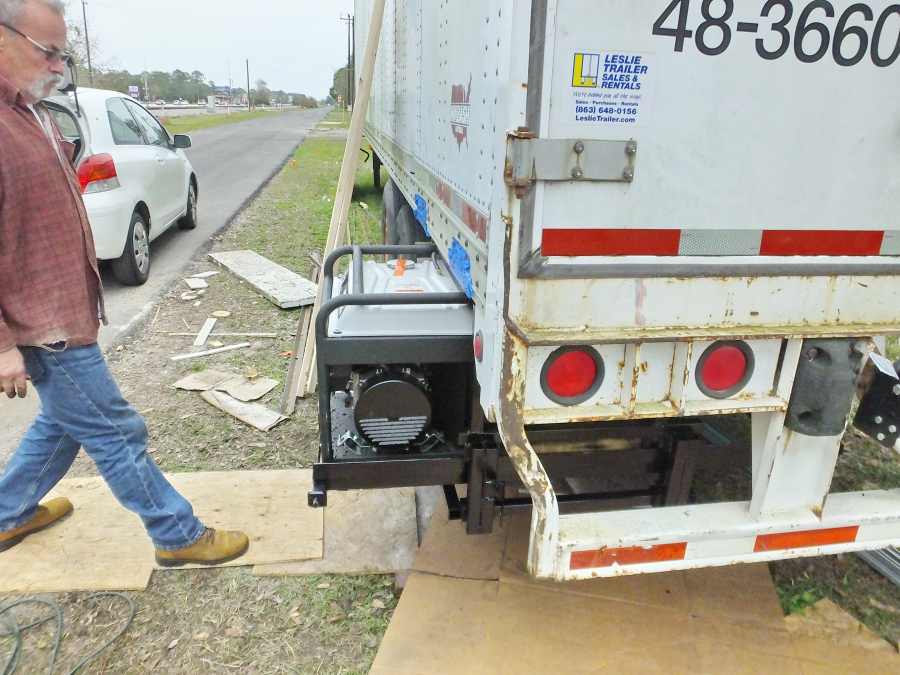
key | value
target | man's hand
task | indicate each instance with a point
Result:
(13, 379)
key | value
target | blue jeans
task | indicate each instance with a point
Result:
(81, 405)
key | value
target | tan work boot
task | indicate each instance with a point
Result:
(47, 514)
(214, 547)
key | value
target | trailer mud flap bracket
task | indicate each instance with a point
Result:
(530, 159)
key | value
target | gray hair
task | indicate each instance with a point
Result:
(11, 9)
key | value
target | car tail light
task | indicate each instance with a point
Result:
(571, 375)
(98, 173)
(725, 368)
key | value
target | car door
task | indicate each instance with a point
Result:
(173, 181)
(70, 129)
(135, 159)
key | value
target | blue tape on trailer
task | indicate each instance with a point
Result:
(421, 213)
(462, 267)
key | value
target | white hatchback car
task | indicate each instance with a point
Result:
(136, 180)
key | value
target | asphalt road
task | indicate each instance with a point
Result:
(232, 162)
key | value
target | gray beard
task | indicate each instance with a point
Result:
(44, 87)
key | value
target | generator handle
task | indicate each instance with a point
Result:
(382, 299)
(358, 252)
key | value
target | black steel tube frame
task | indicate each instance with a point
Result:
(332, 351)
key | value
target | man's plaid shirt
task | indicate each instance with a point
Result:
(50, 288)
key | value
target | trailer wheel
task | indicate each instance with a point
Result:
(409, 231)
(376, 170)
(393, 201)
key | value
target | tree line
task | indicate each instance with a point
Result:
(154, 85)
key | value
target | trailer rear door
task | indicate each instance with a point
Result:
(767, 134)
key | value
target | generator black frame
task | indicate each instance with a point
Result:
(334, 351)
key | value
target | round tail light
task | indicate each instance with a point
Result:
(478, 346)
(724, 368)
(571, 375)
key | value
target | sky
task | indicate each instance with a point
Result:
(294, 45)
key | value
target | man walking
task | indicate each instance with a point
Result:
(51, 301)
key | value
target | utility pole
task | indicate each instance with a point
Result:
(249, 100)
(349, 20)
(353, 65)
(87, 42)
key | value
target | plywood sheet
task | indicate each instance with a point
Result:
(828, 621)
(448, 551)
(256, 415)
(101, 546)
(366, 532)
(655, 590)
(470, 627)
(278, 284)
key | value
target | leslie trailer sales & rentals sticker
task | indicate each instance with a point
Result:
(611, 87)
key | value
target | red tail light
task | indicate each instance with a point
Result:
(572, 375)
(98, 173)
(724, 369)
(478, 346)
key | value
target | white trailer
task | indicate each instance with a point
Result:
(657, 210)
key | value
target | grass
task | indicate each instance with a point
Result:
(188, 123)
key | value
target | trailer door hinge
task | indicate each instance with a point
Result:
(529, 160)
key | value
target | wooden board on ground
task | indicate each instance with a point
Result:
(101, 546)
(448, 551)
(281, 286)
(236, 386)
(366, 532)
(826, 620)
(254, 414)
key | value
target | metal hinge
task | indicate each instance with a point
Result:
(530, 159)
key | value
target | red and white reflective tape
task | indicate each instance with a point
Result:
(571, 242)
(678, 551)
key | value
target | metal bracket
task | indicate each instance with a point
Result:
(530, 159)
(317, 498)
(878, 415)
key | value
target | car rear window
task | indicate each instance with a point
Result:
(125, 129)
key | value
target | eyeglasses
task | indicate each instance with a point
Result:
(52, 55)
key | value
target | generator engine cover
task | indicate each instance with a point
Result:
(422, 276)
(392, 409)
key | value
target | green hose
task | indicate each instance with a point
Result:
(16, 631)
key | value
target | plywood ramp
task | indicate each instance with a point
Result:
(101, 546)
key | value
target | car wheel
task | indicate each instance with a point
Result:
(189, 221)
(133, 267)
